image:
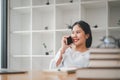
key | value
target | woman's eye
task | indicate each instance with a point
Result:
(78, 32)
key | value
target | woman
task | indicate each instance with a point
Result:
(76, 54)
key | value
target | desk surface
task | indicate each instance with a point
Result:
(39, 75)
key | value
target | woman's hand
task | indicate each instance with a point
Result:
(64, 45)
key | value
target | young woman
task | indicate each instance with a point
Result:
(76, 54)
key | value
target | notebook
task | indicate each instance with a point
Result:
(10, 71)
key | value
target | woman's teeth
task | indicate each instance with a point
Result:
(75, 40)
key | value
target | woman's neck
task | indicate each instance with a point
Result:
(80, 48)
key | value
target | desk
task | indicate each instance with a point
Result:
(39, 75)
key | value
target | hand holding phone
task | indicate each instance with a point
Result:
(69, 40)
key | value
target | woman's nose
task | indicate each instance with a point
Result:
(74, 35)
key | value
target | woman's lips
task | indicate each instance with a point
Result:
(75, 40)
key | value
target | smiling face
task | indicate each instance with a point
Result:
(79, 37)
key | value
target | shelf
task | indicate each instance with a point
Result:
(20, 11)
(98, 29)
(69, 7)
(114, 28)
(66, 1)
(30, 56)
(43, 31)
(19, 32)
(67, 4)
(63, 30)
(93, 3)
(42, 2)
(42, 6)
(43, 56)
(19, 8)
(21, 56)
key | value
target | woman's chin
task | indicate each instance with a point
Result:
(75, 44)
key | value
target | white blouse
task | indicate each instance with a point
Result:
(72, 59)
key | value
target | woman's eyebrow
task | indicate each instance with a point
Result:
(79, 30)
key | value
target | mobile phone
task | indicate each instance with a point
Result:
(69, 40)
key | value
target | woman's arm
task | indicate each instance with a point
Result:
(62, 50)
(56, 62)
(60, 57)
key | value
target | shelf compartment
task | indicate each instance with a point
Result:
(21, 63)
(66, 15)
(20, 44)
(43, 18)
(115, 33)
(114, 13)
(41, 63)
(20, 19)
(42, 40)
(94, 12)
(19, 3)
(97, 35)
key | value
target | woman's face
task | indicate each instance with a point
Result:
(79, 37)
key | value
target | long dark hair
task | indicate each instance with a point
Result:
(86, 28)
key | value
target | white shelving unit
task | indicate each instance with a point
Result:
(37, 26)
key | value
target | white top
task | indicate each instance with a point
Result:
(71, 59)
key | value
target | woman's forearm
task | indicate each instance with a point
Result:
(59, 61)
(60, 58)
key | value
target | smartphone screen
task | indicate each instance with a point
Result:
(69, 40)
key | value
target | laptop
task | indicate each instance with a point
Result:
(10, 71)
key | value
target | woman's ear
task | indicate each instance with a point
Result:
(87, 36)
